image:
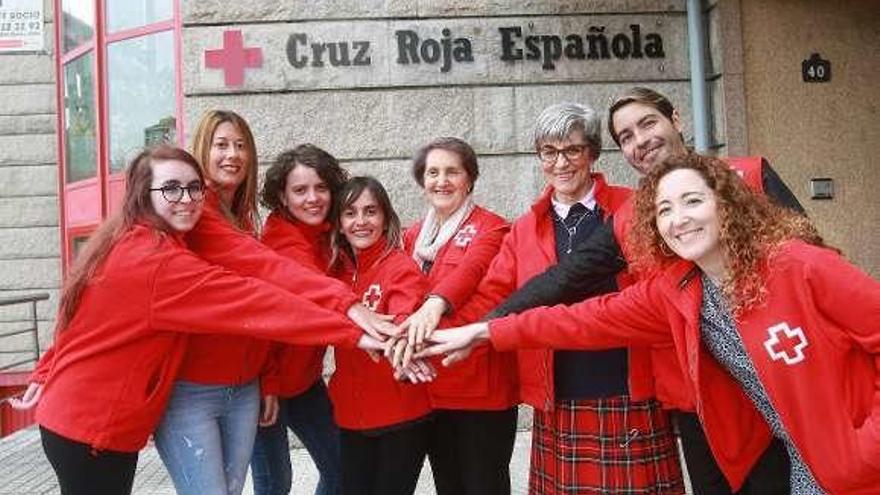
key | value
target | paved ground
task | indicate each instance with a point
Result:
(25, 470)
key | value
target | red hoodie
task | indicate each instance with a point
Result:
(669, 382)
(365, 394)
(814, 343)
(487, 379)
(293, 369)
(225, 360)
(110, 371)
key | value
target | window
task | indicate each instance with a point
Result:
(140, 85)
(120, 91)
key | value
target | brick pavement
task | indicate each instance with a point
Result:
(25, 470)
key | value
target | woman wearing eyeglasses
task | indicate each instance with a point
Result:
(129, 305)
(596, 427)
(207, 434)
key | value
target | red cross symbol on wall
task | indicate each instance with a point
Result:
(465, 235)
(372, 296)
(786, 343)
(233, 58)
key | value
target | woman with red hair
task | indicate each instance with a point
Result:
(775, 332)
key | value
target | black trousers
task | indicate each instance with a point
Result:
(83, 471)
(470, 451)
(769, 476)
(386, 463)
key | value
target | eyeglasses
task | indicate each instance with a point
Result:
(173, 193)
(549, 154)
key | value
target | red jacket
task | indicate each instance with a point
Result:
(814, 342)
(111, 370)
(487, 379)
(222, 359)
(365, 394)
(669, 381)
(528, 250)
(293, 369)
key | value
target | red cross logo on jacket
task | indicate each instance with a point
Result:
(372, 296)
(465, 235)
(786, 343)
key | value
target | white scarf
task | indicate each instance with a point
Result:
(433, 236)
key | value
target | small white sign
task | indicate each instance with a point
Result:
(21, 25)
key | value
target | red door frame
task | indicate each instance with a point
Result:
(105, 182)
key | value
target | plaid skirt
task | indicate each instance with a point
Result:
(604, 446)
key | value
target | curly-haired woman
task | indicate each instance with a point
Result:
(298, 191)
(775, 332)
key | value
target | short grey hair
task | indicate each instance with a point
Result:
(559, 121)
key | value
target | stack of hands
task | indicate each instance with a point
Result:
(410, 345)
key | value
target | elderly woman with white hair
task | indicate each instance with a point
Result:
(597, 428)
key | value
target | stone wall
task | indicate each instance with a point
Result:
(29, 233)
(374, 116)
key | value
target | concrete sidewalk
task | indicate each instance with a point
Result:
(25, 470)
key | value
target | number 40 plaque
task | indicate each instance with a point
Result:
(816, 69)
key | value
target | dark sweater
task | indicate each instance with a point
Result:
(579, 375)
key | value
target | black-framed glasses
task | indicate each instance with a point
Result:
(549, 154)
(173, 193)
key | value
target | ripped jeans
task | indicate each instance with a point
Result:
(206, 436)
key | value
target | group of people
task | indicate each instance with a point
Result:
(703, 304)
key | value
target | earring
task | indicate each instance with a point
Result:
(665, 250)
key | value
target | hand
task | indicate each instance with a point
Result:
(375, 348)
(374, 325)
(420, 324)
(400, 354)
(269, 410)
(455, 343)
(29, 399)
(456, 356)
(416, 371)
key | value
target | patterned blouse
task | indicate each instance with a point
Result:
(721, 338)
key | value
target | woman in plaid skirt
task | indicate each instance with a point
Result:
(597, 428)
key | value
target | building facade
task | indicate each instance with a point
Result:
(370, 81)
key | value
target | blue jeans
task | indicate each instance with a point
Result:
(310, 416)
(206, 436)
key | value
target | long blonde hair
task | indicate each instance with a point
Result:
(243, 212)
(752, 228)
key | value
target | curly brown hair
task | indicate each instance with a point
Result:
(751, 227)
(304, 155)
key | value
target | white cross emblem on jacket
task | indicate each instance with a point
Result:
(372, 296)
(465, 235)
(786, 343)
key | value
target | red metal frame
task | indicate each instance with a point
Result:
(102, 113)
(59, 136)
(125, 34)
(13, 383)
